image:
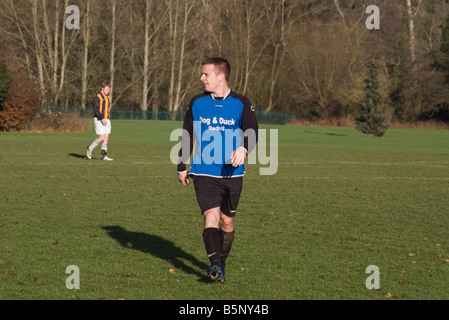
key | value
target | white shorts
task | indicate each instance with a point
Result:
(100, 128)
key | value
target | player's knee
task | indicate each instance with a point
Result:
(227, 223)
(211, 218)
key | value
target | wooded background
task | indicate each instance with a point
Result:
(305, 57)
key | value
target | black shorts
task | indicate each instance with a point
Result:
(218, 192)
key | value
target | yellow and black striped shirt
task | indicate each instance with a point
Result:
(102, 107)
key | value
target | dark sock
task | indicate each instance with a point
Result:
(226, 243)
(211, 238)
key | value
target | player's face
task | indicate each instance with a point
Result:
(106, 91)
(210, 78)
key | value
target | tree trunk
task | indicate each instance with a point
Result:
(112, 63)
(146, 58)
(86, 38)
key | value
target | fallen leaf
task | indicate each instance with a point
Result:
(388, 295)
(172, 270)
(411, 254)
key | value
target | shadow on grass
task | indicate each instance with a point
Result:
(328, 133)
(79, 156)
(158, 247)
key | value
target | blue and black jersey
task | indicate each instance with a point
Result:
(102, 107)
(217, 127)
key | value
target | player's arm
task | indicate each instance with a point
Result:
(186, 146)
(250, 128)
(98, 114)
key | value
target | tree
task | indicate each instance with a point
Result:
(441, 64)
(85, 55)
(5, 82)
(370, 118)
(411, 25)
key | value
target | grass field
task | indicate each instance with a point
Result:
(339, 202)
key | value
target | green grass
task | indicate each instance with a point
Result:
(339, 202)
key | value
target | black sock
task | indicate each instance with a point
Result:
(226, 243)
(211, 238)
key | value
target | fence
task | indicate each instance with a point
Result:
(263, 117)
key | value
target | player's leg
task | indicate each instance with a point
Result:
(104, 146)
(209, 193)
(100, 131)
(212, 241)
(211, 234)
(227, 233)
(228, 210)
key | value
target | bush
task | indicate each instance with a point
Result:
(22, 102)
(57, 122)
(370, 119)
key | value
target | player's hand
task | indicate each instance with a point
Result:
(183, 178)
(238, 157)
(104, 122)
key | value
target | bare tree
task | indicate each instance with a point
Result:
(38, 50)
(278, 16)
(85, 62)
(17, 31)
(113, 47)
(411, 14)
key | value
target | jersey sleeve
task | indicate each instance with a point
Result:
(187, 139)
(250, 126)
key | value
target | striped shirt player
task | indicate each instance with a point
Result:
(220, 128)
(102, 121)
